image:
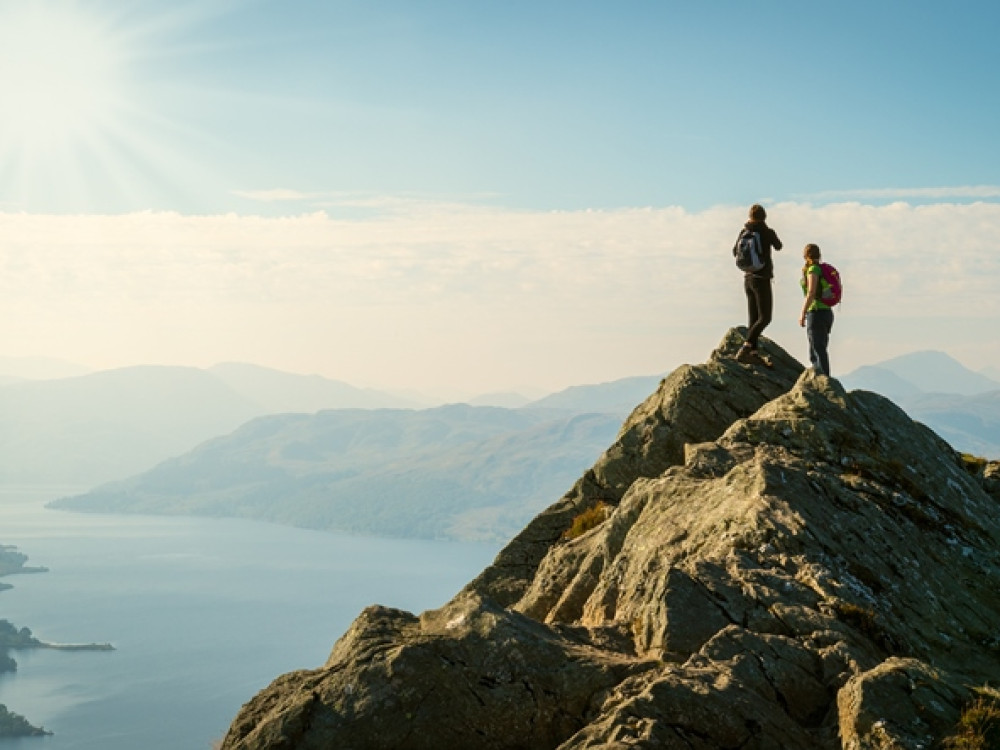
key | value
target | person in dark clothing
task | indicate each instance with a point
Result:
(757, 284)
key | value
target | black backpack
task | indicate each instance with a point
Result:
(749, 256)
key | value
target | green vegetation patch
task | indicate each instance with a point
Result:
(589, 519)
(978, 727)
(12, 637)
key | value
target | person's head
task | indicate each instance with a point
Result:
(811, 254)
(757, 212)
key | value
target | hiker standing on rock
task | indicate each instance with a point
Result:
(753, 256)
(816, 315)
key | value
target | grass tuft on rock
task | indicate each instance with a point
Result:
(589, 519)
(978, 727)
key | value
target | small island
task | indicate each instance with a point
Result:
(12, 638)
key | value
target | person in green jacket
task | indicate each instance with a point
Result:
(816, 316)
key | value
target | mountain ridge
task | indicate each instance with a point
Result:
(933, 371)
(280, 392)
(960, 405)
(110, 422)
(613, 397)
(779, 563)
(455, 471)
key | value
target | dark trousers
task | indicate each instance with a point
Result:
(760, 304)
(819, 323)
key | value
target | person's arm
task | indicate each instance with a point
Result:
(775, 242)
(812, 294)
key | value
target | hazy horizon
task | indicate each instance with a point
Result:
(471, 198)
(31, 368)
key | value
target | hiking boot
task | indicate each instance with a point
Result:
(746, 355)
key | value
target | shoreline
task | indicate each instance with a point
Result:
(27, 569)
(63, 646)
(12, 725)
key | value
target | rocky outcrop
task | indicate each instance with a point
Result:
(786, 565)
(694, 404)
(990, 475)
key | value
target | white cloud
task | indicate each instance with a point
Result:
(451, 294)
(272, 196)
(977, 192)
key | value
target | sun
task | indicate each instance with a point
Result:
(59, 73)
(101, 105)
(61, 85)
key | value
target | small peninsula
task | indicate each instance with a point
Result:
(15, 725)
(14, 638)
(12, 561)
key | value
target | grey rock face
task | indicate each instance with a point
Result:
(693, 404)
(786, 565)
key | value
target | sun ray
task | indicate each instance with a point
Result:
(81, 126)
(62, 86)
(58, 74)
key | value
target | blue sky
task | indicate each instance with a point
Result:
(379, 141)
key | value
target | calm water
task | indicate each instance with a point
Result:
(203, 613)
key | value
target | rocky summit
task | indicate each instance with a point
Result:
(771, 563)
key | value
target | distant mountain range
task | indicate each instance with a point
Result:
(962, 406)
(14, 369)
(970, 424)
(921, 372)
(101, 426)
(109, 424)
(106, 425)
(616, 397)
(243, 440)
(277, 392)
(451, 472)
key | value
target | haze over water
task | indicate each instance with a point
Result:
(202, 613)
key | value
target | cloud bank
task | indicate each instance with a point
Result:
(978, 192)
(427, 294)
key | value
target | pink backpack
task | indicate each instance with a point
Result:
(831, 276)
